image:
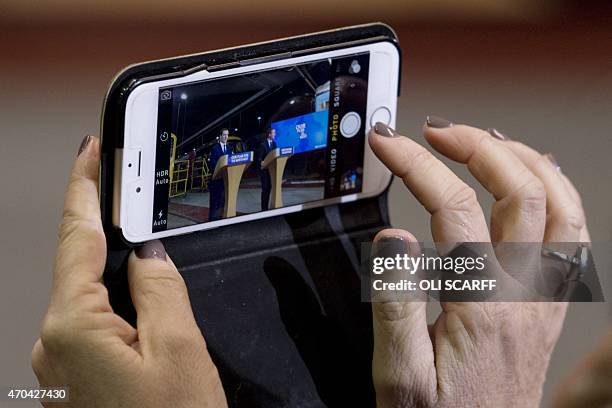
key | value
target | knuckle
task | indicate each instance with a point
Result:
(161, 285)
(460, 197)
(422, 160)
(570, 217)
(101, 291)
(95, 297)
(53, 332)
(391, 311)
(97, 289)
(531, 195)
(66, 227)
(72, 224)
(575, 219)
(483, 320)
(181, 340)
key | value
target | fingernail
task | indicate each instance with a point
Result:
(437, 122)
(151, 250)
(84, 144)
(389, 245)
(384, 130)
(497, 134)
(392, 247)
(391, 238)
(553, 161)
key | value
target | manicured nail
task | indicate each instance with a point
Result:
(497, 134)
(384, 130)
(391, 238)
(151, 250)
(437, 122)
(393, 243)
(553, 161)
(388, 246)
(84, 144)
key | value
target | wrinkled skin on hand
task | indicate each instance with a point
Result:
(103, 360)
(475, 354)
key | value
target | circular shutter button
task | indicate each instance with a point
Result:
(382, 114)
(350, 124)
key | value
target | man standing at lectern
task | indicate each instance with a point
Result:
(266, 183)
(216, 188)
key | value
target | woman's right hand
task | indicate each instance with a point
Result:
(476, 354)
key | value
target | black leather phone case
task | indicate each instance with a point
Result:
(277, 299)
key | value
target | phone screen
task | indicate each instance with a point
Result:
(306, 120)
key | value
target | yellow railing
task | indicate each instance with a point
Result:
(183, 178)
(179, 172)
(178, 181)
(200, 174)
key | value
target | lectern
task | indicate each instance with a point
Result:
(275, 163)
(230, 167)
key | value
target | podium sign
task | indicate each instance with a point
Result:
(240, 158)
(230, 168)
(275, 162)
(286, 151)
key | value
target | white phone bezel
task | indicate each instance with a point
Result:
(135, 163)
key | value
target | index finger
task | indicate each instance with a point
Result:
(81, 251)
(456, 214)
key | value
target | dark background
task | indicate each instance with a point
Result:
(209, 100)
(285, 94)
(539, 71)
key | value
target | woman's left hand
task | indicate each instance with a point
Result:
(84, 345)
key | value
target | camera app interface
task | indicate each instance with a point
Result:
(259, 141)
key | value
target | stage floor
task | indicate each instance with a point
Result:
(193, 208)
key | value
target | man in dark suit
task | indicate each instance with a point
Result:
(268, 145)
(216, 188)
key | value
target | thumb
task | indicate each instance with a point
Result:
(164, 315)
(403, 362)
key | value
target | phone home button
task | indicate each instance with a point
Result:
(382, 114)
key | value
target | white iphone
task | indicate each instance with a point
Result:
(219, 147)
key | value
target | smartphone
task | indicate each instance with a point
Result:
(254, 139)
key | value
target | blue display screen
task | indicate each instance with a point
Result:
(304, 133)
